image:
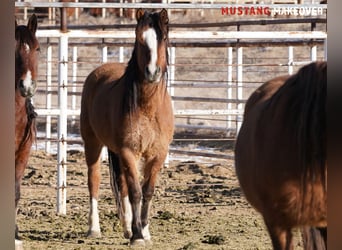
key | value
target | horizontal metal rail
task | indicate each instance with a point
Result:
(207, 35)
(73, 112)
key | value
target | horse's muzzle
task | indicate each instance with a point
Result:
(153, 76)
(27, 91)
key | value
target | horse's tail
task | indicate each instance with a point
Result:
(314, 238)
(114, 171)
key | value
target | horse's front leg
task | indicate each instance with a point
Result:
(151, 171)
(130, 171)
(92, 153)
(21, 160)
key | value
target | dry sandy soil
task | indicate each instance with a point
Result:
(197, 205)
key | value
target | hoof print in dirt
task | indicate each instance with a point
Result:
(213, 239)
(165, 215)
(189, 246)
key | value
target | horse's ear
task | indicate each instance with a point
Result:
(164, 17)
(32, 24)
(140, 13)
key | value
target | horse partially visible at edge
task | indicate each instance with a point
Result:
(129, 110)
(280, 156)
(26, 73)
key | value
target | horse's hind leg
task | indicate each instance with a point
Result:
(92, 148)
(151, 171)
(281, 238)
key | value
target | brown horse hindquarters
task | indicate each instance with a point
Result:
(278, 173)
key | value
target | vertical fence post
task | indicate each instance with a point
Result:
(121, 54)
(103, 10)
(229, 82)
(170, 84)
(171, 78)
(74, 82)
(290, 62)
(77, 11)
(325, 49)
(313, 53)
(239, 86)
(104, 54)
(48, 96)
(63, 118)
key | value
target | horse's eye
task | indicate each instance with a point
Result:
(38, 49)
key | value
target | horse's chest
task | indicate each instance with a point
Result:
(145, 135)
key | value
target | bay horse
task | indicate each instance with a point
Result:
(129, 111)
(280, 156)
(26, 72)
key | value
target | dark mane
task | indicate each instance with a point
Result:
(30, 131)
(305, 94)
(130, 77)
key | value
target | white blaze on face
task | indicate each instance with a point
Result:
(27, 82)
(28, 78)
(150, 37)
(27, 48)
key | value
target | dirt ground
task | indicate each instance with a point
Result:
(197, 205)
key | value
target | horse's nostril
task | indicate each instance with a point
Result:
(147, 71)
(21, 83)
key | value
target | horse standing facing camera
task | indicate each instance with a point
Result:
(129, 111)
(26, 72)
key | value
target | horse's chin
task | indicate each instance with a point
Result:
(27, 93)
(153, 80)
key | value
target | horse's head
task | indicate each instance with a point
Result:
(151, 44)
(26, 57)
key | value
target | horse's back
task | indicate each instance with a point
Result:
(102, 75)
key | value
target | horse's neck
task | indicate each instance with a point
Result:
(151, 95)
(20, 102)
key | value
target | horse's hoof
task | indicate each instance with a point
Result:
(137, 243)
(94, 234)
(18, 245)
(128, 234)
